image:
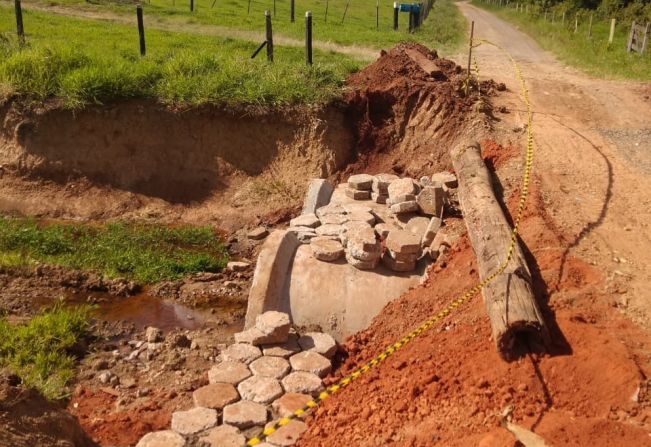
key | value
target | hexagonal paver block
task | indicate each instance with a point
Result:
(303, 382)
(311, 361)
(223, 436)
(430, 200)
(288, 434)
(269, 366)
(194, 420)
(319, 342)
(285, 350)
(229, 372)
(404, 207)
(274, 325)
(215, 395)
(327, 250)
(260, 389)
(330, 230)
(362, 182)
(245, 414)
(164, 438)
(382, 181)
(334, 219)
(241, 352)
(290, 402)
(361, 216)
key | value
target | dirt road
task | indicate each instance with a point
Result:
(593, 156)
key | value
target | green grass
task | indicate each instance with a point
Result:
(592, 55)
(442, 29)
(85, 61)
(145, 253)
(41, 352)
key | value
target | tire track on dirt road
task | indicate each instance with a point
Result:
(594, 157)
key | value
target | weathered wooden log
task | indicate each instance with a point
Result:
(509, 298)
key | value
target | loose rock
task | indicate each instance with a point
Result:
(357, 195)
(361, 182)
(430, 200)
(327, 250)
(330, 230)
(318, 342)
(311, 361)
(403, 241)
(237, 266)
(241, 352)
(274, 325)
(381, 183)
(305, 220)
(404, 207)
(430, 232)
(401, 187)
(153, 335)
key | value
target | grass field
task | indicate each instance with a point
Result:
(592, 55)
(359, 27)
(86, 61)
(41, 352)
(145, 253)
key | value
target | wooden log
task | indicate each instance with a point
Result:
(509, 299)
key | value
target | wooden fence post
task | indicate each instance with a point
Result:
(563, 19)
(141, 30)
(326, 11)
(612, 32)
(191, 5)
(396, 12)
(248, 8)
(377, 14)
(269, 35)
(292, 9)
(19, 21)
(646, 37)
(576, 23)
(308, 38)
(590, 26)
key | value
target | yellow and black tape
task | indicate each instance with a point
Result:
(452, 306)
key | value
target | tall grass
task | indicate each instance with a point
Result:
(145, 253)
(591, 54)
(86, 61)
(42, 351)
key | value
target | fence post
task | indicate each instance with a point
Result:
(308, 37)
(274, 8)
(291, 10)
(629, 46)
(141, 30)
(377, 14)
(411, 20)
(576, 23)
(590, 26)
(563, 19)
(248, 7)
(345, 11)
(395, 16)
(646, 37)
(19, 21)
(326, 11)
(472, 34)
(191, 5)
(612, 32)
(269, 35)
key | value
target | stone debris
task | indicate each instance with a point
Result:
(193, 421)
(430, 200)
(258, 233)
(379, 198)
(401, 198)
(445, 178)
(403, 241)
(223, 436)
(330, 230)
(381, 183)
(398, 266)
(153, 335)
(361, 182)
(318, 194)
(245, 414)
(327, 250)
(401, 187)
(241, 352)
(329, 209)
(303, 382)
(361, 216)
(404, 207)
(228, 372)
(237, 266)
(383, 229)
(253, 336)
(274, 325)
(334, 219)
(263, 390)
(284, 350)
(305, 220)
(290, 402)
(268, 366)
(288, 434)
(358, 195)
(418, 225)
(164, 438)
(216, 395)
(319, 342)
(363, 250)
(430, 233)
(311, 361)
(356, 207)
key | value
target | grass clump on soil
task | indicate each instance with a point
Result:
(41, 352)
(142, 252)
(348, 22)
(591, 54)
(89, 61)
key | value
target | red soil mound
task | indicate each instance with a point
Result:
(449, 386)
